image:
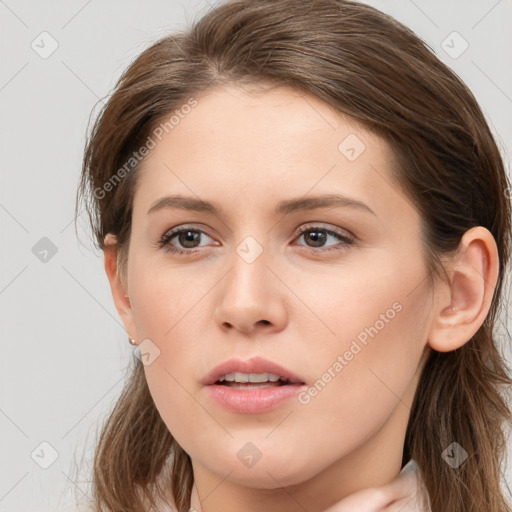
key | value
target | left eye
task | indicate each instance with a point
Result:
(318, 236)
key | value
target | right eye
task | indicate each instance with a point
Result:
(187, 237)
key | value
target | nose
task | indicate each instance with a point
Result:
(251, 298)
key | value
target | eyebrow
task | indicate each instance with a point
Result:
(283, 207)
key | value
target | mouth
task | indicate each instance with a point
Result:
(254, 372)
(239, 380)
(254, 386)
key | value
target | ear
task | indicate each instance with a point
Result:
(119, 293)
(465, 300)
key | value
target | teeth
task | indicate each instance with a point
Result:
(250, 377)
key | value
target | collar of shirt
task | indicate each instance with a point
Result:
(406, 493)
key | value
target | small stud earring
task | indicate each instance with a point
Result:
(132, 342)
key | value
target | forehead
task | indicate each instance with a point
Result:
(276, 117)
(240, 146)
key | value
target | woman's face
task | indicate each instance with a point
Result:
(344, 306)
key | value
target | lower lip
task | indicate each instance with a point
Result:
(253, 400)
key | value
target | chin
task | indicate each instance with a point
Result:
(273, 469)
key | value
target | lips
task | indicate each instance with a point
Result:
(251, 397)
(252, 365)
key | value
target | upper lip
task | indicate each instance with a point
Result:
(252, 365)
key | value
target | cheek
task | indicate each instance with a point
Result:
(167, 307)
(380, 321)
(363, 371)
(174, 399)
(162, 297)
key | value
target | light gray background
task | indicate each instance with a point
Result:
(63, 348)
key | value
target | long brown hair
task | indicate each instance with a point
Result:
(366, 65)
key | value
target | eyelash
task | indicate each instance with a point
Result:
(344, 240)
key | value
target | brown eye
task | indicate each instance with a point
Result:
(318, 237)
(187, 240)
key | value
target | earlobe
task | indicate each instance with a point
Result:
(465, 300)
(119, 293)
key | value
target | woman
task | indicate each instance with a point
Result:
(306, 229)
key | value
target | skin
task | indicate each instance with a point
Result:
(246, 152)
